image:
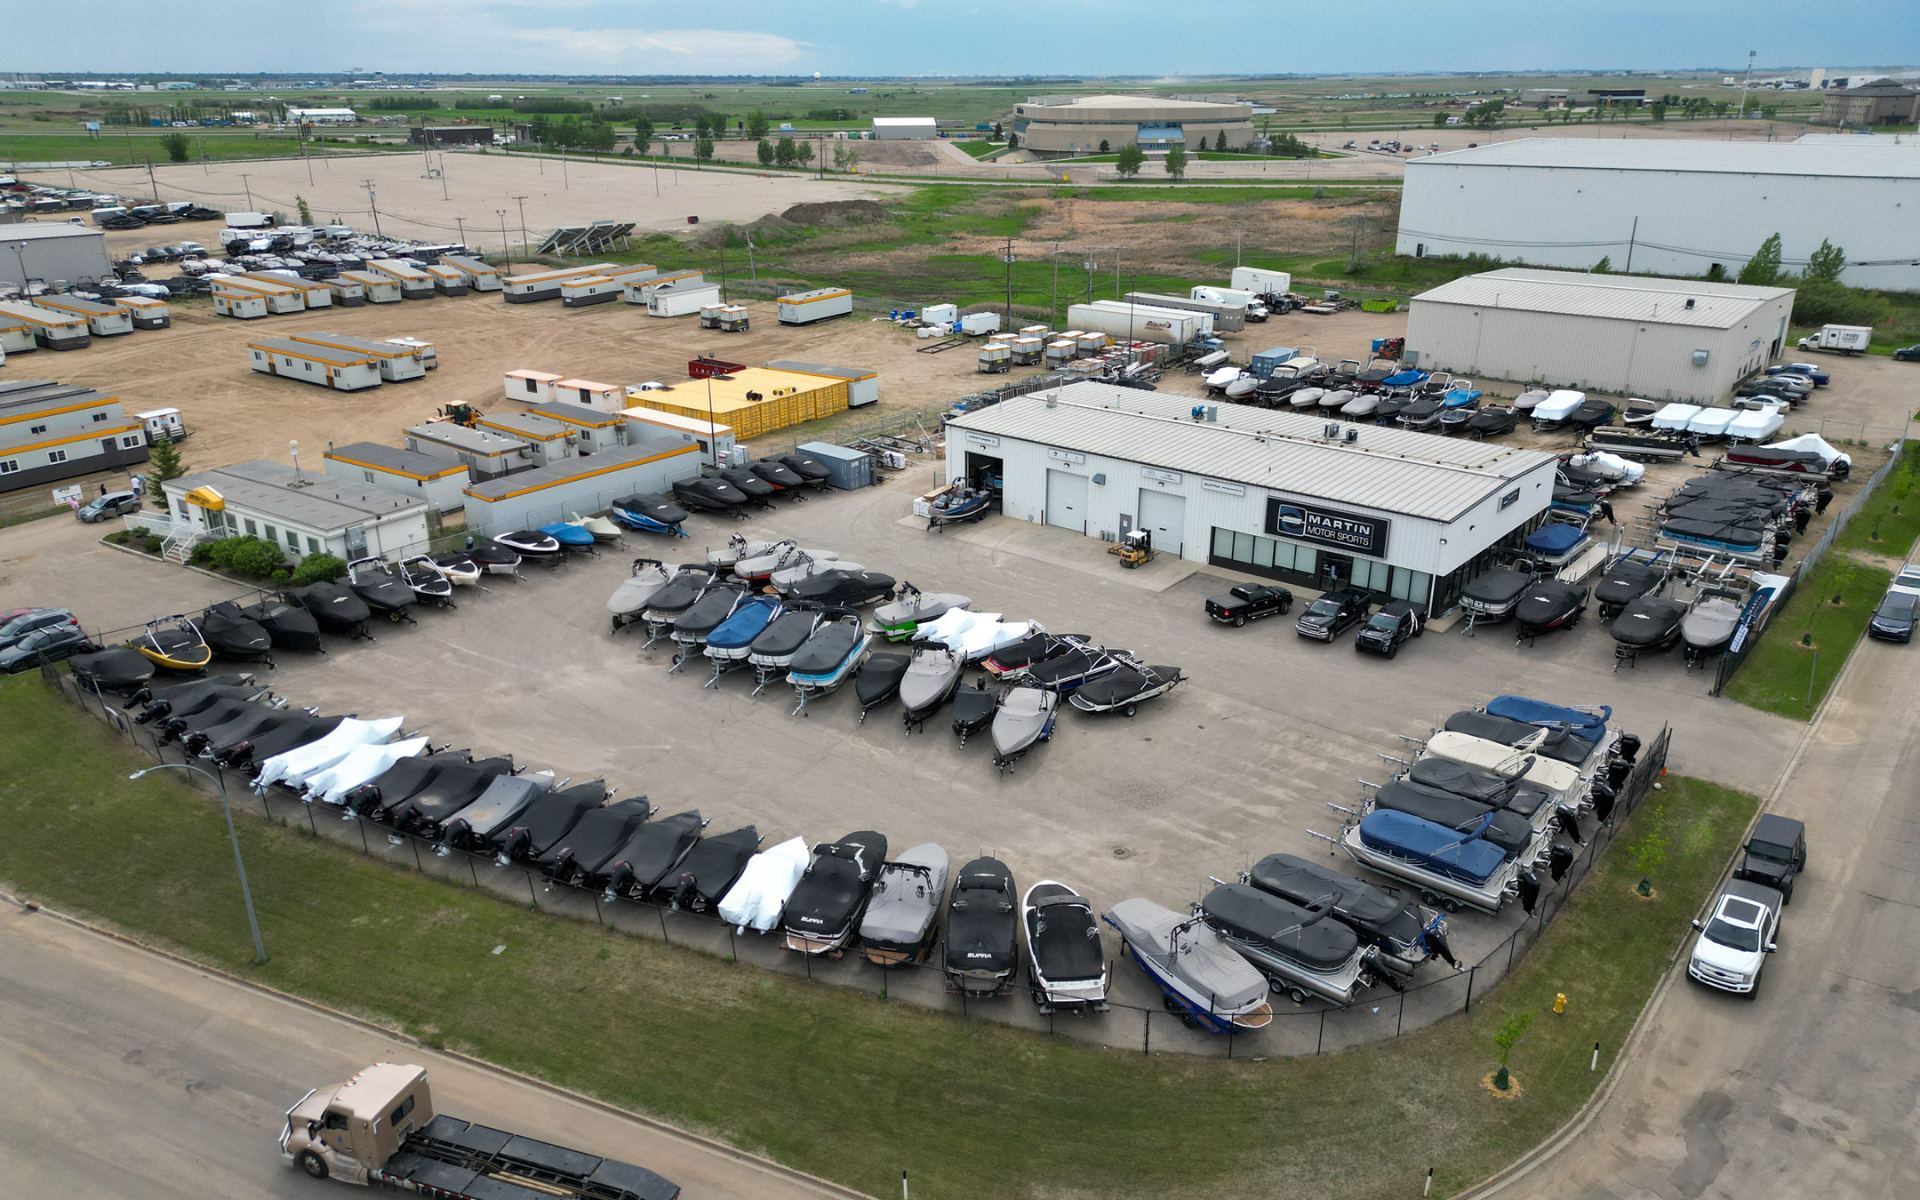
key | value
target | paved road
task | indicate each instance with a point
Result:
(130, 1075)
(1810, 1087)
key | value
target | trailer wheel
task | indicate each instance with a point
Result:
(312, 1164)
(1297, 995)
(1132, 709)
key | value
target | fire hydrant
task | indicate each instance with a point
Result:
(1559, 1002)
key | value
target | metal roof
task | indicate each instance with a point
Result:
(807, 368)
(567, 470)
(476, 441)
(328, 354)
(393, 458)
(1391, 470)
(1701, 157)
(32, 231)
(1160, 103)
(575, 414)
(525, 425)
(1610, 297)
(324, 502)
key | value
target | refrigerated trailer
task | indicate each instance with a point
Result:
(1220, 318)
(804, 308)
(103, 320)
(1142, 323)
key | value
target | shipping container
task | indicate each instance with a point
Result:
(103, 320)
(544, 285)
(313, 293)
(847, 469)
(681, 301)
(415, 284)
(396, 364)
(1165, 326)
(863, 383)
(323, 366)
(1264, 362)
(531, 387)
(804, 308)
(480, 276)
(52, 330)
(448, 280)
(755, 401)
(147, 313)
(588, 289)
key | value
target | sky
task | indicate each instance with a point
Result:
(955, 37)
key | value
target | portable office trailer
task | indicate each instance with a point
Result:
(641, 290)
(548, 441)
(531, 387)
(53, 330)
(341, 370)
(1162, 325)
(16, 336)
(489, 455)
(397, 364)
(1226, 317)
(163, 424)
(578, 485)
(347, 292)
(754, 401)
(681, 301)
(146, 313)
(804, 308)
(715, 441)
(585, 393)
(438, 480)
(242, 305)
(429, 357)
(846, 469)
(595, 429)
(378, 288)
(544, 285)
(103, 320)
(863, 383)
(305, 512)
(480, 277)
(589, 289)
(279, 297)
(447, 280)
(415, 284)
(314, 292)
(637, 273)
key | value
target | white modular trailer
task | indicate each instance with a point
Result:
(595, 430)
(585, 393)
(279, 296)
(52, 330)
(103, 320)
(440, 481)
(531, 387)
(301, 510)
(341, 370)
(547, 441)
(147, 313)
(487, 453)
(163, 424)
(1663, 339)
(1400, 514)
(863, 383)
(544, 285)
(640, 290)
(397, 364)
(480, 276)
(589, 289)
(243, 306)
(16, 336)
(579, 485)
(429, 356)
(1259, 281)
(447, 280)
(1142, 323)
(635, 273)
(375, 288)
(714, 441)
(820, 304)
(415, 284)
(1221, 317)
(314, 292)
(682, 301)
(347, 292)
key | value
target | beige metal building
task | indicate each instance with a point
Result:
(1881, 102)
(1064, 125)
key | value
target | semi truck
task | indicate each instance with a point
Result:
(379, 1129)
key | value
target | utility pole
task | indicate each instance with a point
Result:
(1090, 264)
(154, 183)
(1116, 272)
(1237, 235)
(752, 270)
(506, 246)
(1009, 262)
(244, 176)
(461, 224)
(443, 178)
(1631, 239)
(372, 207)
(1746, 83)
(1053, 310)
(522, 202)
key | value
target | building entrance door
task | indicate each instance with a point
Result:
(1336, 571)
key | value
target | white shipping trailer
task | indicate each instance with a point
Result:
(1165, 326)
(450, 281)
(480, 276)
(640, 290)
(341, 370)
(147, 312)
(682, 301)
(1220, 318)
(312, 291)
(1259, 281)
(52, 330)
(545, 285)
(804, 308)
(103, 320)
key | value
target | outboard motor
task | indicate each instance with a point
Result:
(1437, 943)
(1529, 890)
(143, 696)
(1617, 772)
(153, 711)
(1559, 860)
(1603, 797)
(1569, 824)
(1628, 747)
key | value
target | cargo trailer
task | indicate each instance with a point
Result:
(531, 387)
(1260, 282)
(978, 324)
(1062, 352)
(397, 364)
(995, 360)
(1222, 317)
(1165, 326)
(103, 320)
(480, 276)
(641, 290)
(376, 288)
(1041, 332)
(279, 296)
(681, 301)
(315, 292)
(348, 293)
(147, 313)
(52, 330)
(1089, 344)
(415, 284)
(163, 425)
(544, 285)
(710, 315)
(820, 304)
(1027, 351)
(341, 370)
(734, 318)
(448, 281)
(588, 289)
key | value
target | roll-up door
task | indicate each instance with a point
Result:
(1165, 515)
(1067, 500)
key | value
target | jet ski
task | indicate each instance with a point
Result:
(1065, 672)
(974, 709)
(1709, 624)
(702, 617)
(731, 642)
(1014, 661)
(878, 680)
(828, 902)
(1204, 981)
(710, 868)
(777, 473)
(709, 494)
(602, 529)
(380, 589)
(1493, 420)
(1025, 716)
(983, 930)
(548, 819)
(361, 764)
(496, 809)
(649, 512)
(1403, 934)
(429, 584)
(233, 634)
(842, 587)
(685, 585)
(649, 855)
(897, 620)
(1648, 625)
(570, 537)
(932, 674)
(494, 557)
(1492, 595)
(1547, 605)
(457, 567)
(174, 644)
(578, 856)
(757, 490)
(827, 658)
(759, 895)
(287, 627)
(1124, 689)
(903, 912)
(1626, 579)
(532, 545)
(807, 467)
(116, 669)
(772, 652)
(629, 600)
(1305, 953)
(293, 766)
(1065, 962)
(959, 505)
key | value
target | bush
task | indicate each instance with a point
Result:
(317, 568)
(244, 554)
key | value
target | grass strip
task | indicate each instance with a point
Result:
(1828, 613)
(830, 1080)
(1889, 521)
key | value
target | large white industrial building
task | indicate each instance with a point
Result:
(1661, 339)
(1670, 207)
(47, 252)
(1407, 515)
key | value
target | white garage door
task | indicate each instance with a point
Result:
(1067, 500)
(1165, 515)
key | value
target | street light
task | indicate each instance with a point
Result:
(253, 922)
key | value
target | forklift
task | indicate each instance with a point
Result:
(465, 415)
(1135, 549)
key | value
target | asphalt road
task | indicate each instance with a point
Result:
(128, 1074)
(1808, 1088)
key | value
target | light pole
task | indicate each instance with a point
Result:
(506, 247)
(522, 202)
(246, 894)
(249, 187)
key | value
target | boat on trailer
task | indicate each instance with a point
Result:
(1202, 980)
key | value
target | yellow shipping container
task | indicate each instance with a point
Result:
(754, 402)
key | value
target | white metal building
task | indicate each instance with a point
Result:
(46, 251)
(438, 481)
(892, 129)
(579, 485)
(1402, 514)
(321, 116)
(1679, 207)
(300, 511)
(1664, 339)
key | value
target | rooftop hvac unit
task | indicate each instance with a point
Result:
(1333, 430)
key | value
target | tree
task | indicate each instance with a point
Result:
(846, 156)
(1505, 1039)
(1440, 120)
(1220, 142)
(1176, 163)
(703, 148)
(306, 214)
(642, 135)
(176, 146)
(163, 463)
(1131, 159)
(803, 152)
(599, 137)
(765, 152)
(1659, 110)
(1105, 147)
(783, 152)
(1826, 263)
(1763, 268)
(1486, 116)
(758, 125)
(1648, 854)
(1013, 141)
(1604, 265)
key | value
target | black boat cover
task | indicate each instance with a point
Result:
(1626, 581)
(1073, 667)
(233, 634)
(789, 631)
(333, 606)
(652, 851)
(1031, 649)
(288, 627)
(776, 473)
(399, 782)
(842, 587)
(451, 789)
(1561, 745)
(1471, 783)
(1493, 420)
(879, 678)
(711, 867)
(704, 615)
(1367, 910)
(982, 922)
(192, 697)
(1548, 602)
(710, 494)
(652, 506)
(1593, 411)
(1498, 587)
(290, 734)
(826, 649)
(806, 466)
(973, 708)
(828, 899)
(1648, 621)
(1508, 830)
(1062, 935)
(381, 590)
(256, 718)
(1266, 922)
(550, 818)
(211, 712)
(594, 840)
(749, 484)
(681, 591)
(1125, 684)
(115, 668)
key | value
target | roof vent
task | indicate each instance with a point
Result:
(1689, 302)
(1053, 400)
(1353, 435)
(1332, 430)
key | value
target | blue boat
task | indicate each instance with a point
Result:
(650, 513)
(1431, 847)
(1589, 724)
(573, 537)
(732, 640)
(1405, 379)
(1556, 542)
(1460, 394)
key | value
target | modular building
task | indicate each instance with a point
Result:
(314, 293)
(640, 290)
(438, 481)
(595, 430)
(16, 336)
(579, 485)
(348, 293)
(589, 289)
(681, 301)
(45, 252)
(548, 441)
(277, 295)
(715, 442)
(905, 129)
(820, 304)
(244, 306)
(299, 511)
(447, 280)
(863, 383)
(162, 424)
(375, 288)
(103, 320)
(1679, 207)
(396, 363)
(341, 370)
(480, 276)
(1406, 515)
(1056, 126)
(754, 402)
(415, 284)
(51, 330)
(1139, 322)
(451, 135)
(531, 387)
(50, 432)
(486, 453)
(147, 313)
(585, 393)
(544, 285)
(1664, 339)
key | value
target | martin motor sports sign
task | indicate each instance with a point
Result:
(1327, 527)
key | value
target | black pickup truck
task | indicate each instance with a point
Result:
(1775, 853)
(1249, 602)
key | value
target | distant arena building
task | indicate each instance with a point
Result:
(1062, 125)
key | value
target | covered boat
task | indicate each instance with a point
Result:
(292, 767)
(878, 680)
(983, 929)
(710, 868)
(1492, 420)
(602, 529)
(380, 588)
(1449, 868)
(773, 650)
(116, 669)
(1013, 661)
(757, 490)
(544, 822)
(903, 913)
(974, 709)
(498, 808)
(570, 537)
(1023, 720)
(1203, 980)
(1065, 961)
(649, 512)
(1648, 625)
(759, 895)
(1556, 743)
(1557, 543)
(777, 473)
(361, 764)
(492, 557)
(629, 601)
(1492, 595)
(452, 788)
(715, 605)
(709, 494)
(828, 902)
(1557, 409)
(398, 783)
(828, 658)
(930, 678)
(1710, 622)
(1710, 424)
(1587, 722)
(1065, 672)
(1511, 832)
(898, 619)
(807, 467)
(1125, 689)
(650, 855)
(288, 627)
(1629, 577)
(282, 735)
(1305, 953)
(579, 855)
(843, 587)
(1548, 605)
(233, 634)
(1404, 934)
(731, 641)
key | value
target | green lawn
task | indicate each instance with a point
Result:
(1889, 522)
(831, 1080)
(980, 147)
(1776, 675)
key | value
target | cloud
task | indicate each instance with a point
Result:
(695, 51)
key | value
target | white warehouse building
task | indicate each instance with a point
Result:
(1406, 515)
(1662, 339)
(1671, 207)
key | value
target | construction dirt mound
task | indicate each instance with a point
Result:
(836, 212)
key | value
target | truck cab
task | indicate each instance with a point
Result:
(1249, 602)
(1734, 942)
(349, 1129)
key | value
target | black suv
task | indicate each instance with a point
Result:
(1775, 853)
(1332, 613)
(1249, 602)
(1396, 622)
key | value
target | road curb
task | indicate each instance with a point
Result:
(712, 1145)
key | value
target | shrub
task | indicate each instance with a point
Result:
(245, 554)
(317, 568)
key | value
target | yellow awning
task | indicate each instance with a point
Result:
(206, 498)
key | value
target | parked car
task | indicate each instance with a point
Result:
(1812, 371)
(1907, 354)
(1775, 854)
(1893, 621)
(1734, 942)
(1908, 580)
(24, 621)
(1397, 621)
(113, 504)
(1249, 602)
(52, 644)
(1330, 615)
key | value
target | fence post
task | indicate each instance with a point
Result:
(1146, 1042)
(1471, 972)
(531, 893)
(415, 843)
(1322, 1039)
(1402, 1018)
(364, 847)
(663, 926)
(471, 869)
